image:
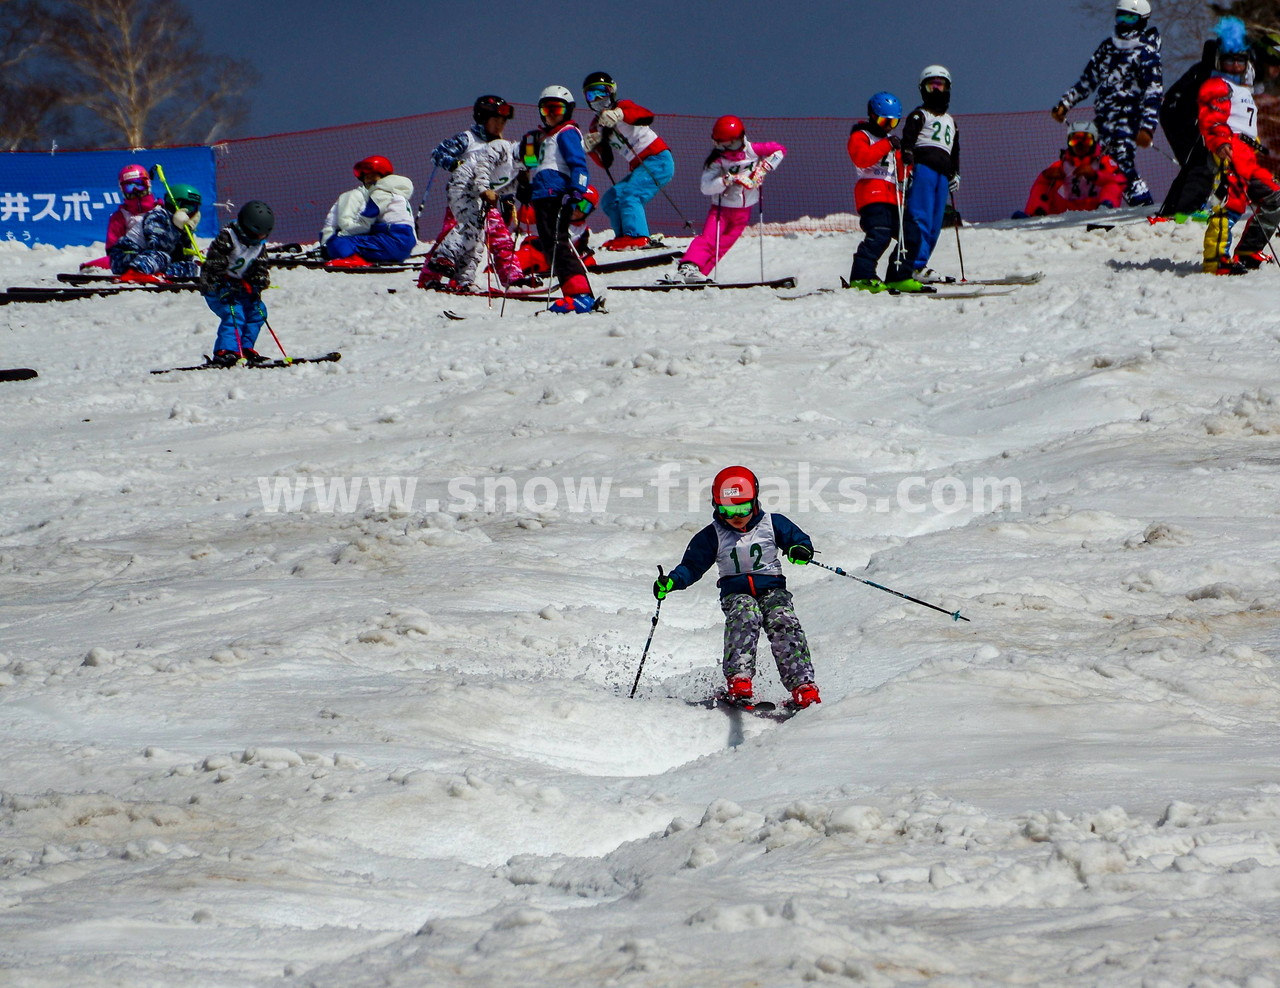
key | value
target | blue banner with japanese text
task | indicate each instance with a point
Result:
(65, 199)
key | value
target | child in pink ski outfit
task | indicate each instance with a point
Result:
(732, 174)
(136, 201)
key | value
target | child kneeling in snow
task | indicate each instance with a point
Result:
(232, 281)
(1084, 178)
(744, 542)
(162, 246)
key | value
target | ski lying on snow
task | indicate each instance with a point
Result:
(775, 283)
(450, 314)
(106, 278)
(537, 295)
(960, 292)
(1009, 279)
(643, 259)
(210, 365)
(17, 374)
(375, 269)
(38, 293)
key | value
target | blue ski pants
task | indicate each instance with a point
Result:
(624, 203)
(241, 318)
(381, 243)
(926, 205)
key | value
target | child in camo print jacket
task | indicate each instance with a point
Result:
(746, 542)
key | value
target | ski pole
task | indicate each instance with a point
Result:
(652, 628)
(236, 326)
(959, 250)
(719, 223)
(423, 204)
(900, 197)
(760, 227)
(190, 236)
(644, 163)
(287, 358)
(954, 615)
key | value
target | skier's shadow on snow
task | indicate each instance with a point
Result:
(1182, 269)
(736, 735)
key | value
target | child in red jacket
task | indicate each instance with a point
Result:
(1230, 135)
(1082, 179)
(881, 179)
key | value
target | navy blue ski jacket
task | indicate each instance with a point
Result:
(700, 556)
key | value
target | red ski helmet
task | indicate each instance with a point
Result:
(375, 164)
(734, 485)
(726, 129)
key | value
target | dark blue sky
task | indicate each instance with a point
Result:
(327, 62)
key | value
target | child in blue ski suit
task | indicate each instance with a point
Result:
(746, 544)
(233, 279)
(1124, 76)
(930, 135)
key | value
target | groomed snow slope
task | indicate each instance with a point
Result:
(393, 745)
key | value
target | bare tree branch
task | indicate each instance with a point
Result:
(138, 70)
(30, 96)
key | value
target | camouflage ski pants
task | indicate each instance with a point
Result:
(463, 245)
(1119, 137)
(744, 616)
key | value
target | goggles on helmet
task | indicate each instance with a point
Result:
(1234, 63)
(584, 206)
(1126, 18)
(504, 110)
(598, 91)
(733, 144)
(886, 123)
(935, 85)
(552, 108)
(734, 510)
(1080, 141)
(133, 188)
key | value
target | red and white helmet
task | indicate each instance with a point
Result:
(734, 485)
(727, 129)
(375, 164)
(135, 181)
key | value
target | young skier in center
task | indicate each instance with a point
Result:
(881, 176)
(744, 542)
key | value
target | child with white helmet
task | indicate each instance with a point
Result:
(1124, 76)
(557, 185)
(931, 137)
